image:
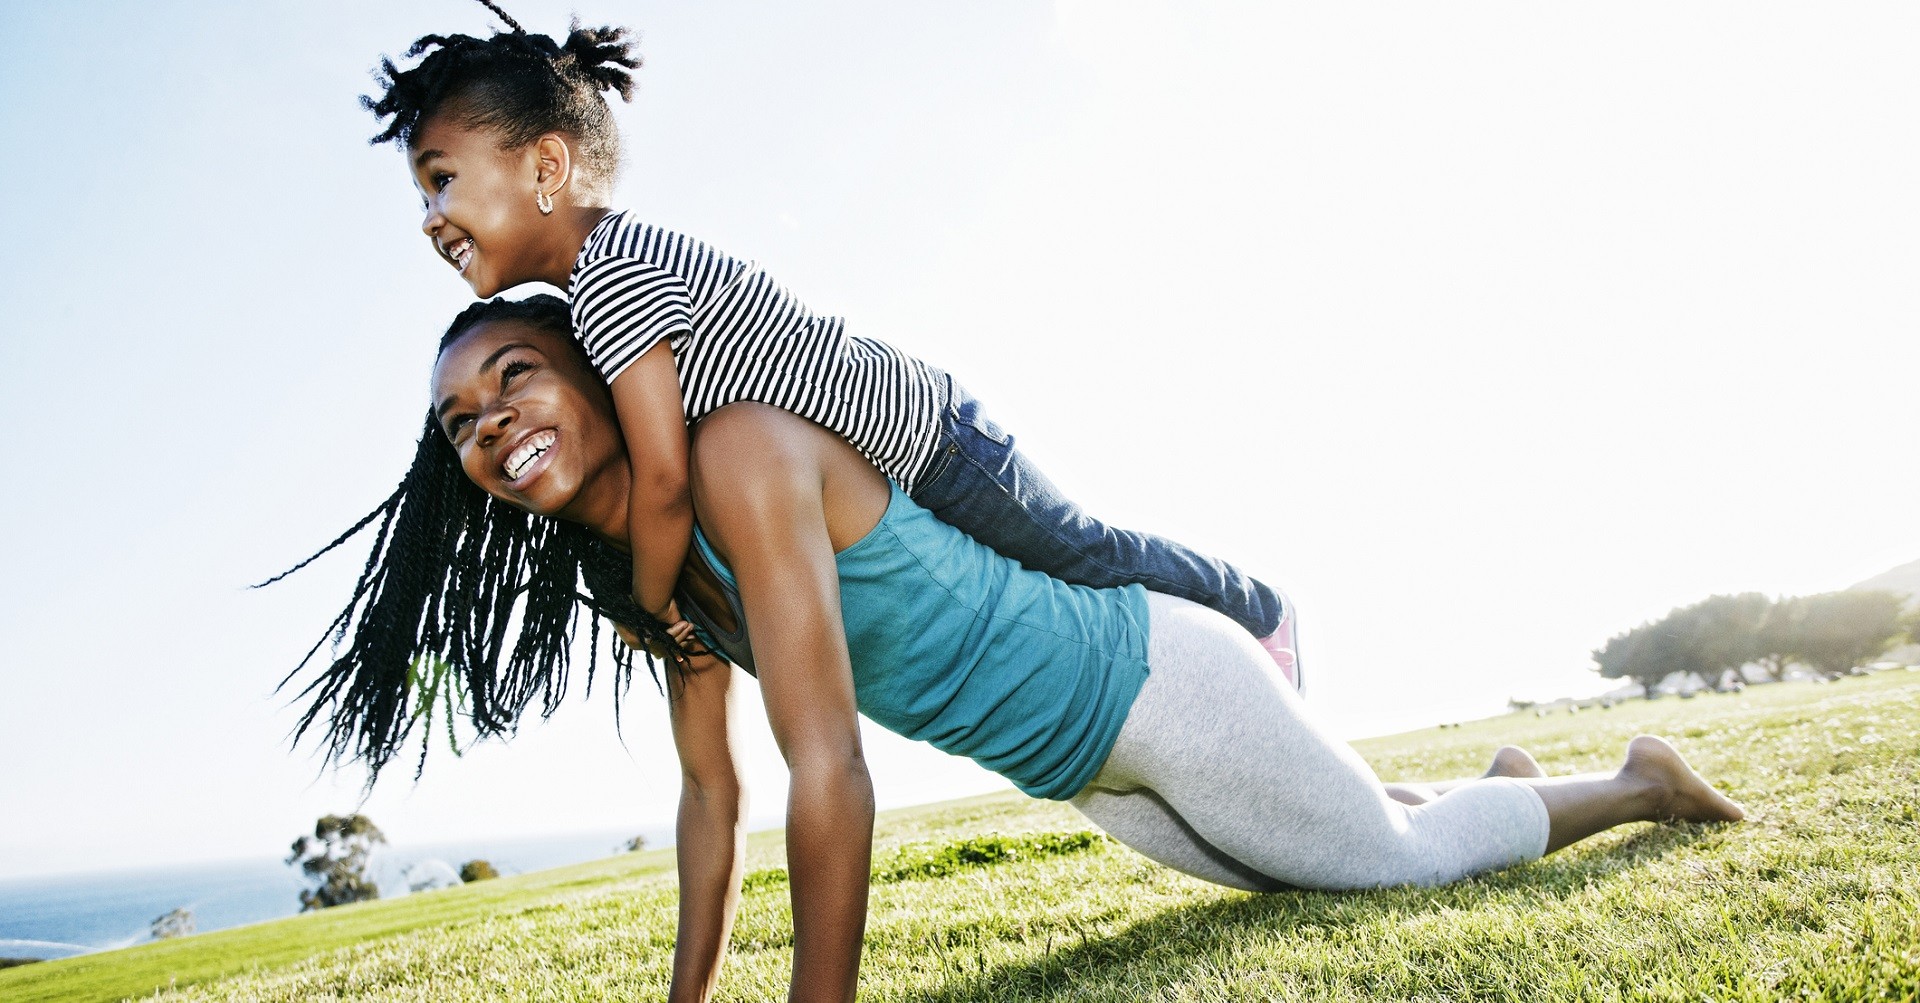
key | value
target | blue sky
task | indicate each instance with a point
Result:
(1486, 332)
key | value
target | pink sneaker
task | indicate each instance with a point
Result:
(1284, 647)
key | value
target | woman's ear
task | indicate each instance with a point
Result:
(552, 163)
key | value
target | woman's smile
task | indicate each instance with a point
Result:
(529, 458)
(530, 420)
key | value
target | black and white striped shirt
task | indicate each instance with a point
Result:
(736, 335)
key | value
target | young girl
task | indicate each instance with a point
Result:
(514, 152)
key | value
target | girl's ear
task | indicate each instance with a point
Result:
(553, 163)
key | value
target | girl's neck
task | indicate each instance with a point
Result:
(574, 222)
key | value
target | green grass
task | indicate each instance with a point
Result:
(1815, 897)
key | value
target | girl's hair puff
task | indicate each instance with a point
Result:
(451, 571)
(517, 85)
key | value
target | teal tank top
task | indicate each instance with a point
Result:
(957, 646)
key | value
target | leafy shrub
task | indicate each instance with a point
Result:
(477, 870)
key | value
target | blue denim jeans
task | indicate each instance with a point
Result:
(978, 482)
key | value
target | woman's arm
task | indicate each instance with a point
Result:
(762, 503)
(710, 838)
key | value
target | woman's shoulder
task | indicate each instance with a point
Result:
(748, 444)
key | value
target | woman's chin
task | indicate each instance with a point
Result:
(536, 499)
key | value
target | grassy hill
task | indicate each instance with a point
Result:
(1905, 578)
(1000, 898)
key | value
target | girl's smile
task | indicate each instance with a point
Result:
(480, 208)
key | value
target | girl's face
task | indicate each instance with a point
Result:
(479, 202)
(533, 425)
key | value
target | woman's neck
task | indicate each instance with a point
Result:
(601, 504)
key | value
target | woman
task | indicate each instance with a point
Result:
(1158, 719)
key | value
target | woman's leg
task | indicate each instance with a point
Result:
(1140, 819)
(1144, 822)
(1230, 753)
(1508, 761)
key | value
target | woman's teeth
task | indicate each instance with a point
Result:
(522, 458)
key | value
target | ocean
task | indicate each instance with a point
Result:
(65, 915)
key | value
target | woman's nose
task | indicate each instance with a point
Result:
(495, 424)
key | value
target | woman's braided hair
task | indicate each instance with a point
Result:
(452, 571)
(515, 84)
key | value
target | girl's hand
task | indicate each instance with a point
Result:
(678, 628)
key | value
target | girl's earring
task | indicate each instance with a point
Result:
(544, 201)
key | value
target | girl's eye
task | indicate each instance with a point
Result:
(439, 180)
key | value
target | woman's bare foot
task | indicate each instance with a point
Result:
(1683, 795)
(1513, 761)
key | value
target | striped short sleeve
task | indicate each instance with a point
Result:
(623, 306)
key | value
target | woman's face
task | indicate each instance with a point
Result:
(533, 424)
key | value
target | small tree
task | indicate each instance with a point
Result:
(1775, 640)
(1841, 630)
(1646, 654)
(337, 855)
(178, 923)
(636, 844)
(477, 870)
(1726, 632)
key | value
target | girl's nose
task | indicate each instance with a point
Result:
(431, 223)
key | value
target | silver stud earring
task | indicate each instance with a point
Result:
(544, 201)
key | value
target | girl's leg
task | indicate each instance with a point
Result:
(1230, 753)
(981, 484)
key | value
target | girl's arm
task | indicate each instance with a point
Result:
(764, 509)
(646, 400)
(710, 838)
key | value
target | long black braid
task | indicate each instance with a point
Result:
(449, 570)
(516, 84)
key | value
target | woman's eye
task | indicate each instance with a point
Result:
(457, 423)
(512, 369)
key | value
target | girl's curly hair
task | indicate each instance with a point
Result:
(515, 84)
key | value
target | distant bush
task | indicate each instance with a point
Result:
(636, 844)
(938, 860)
(477, 870)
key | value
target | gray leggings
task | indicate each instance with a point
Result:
(1218, 773)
